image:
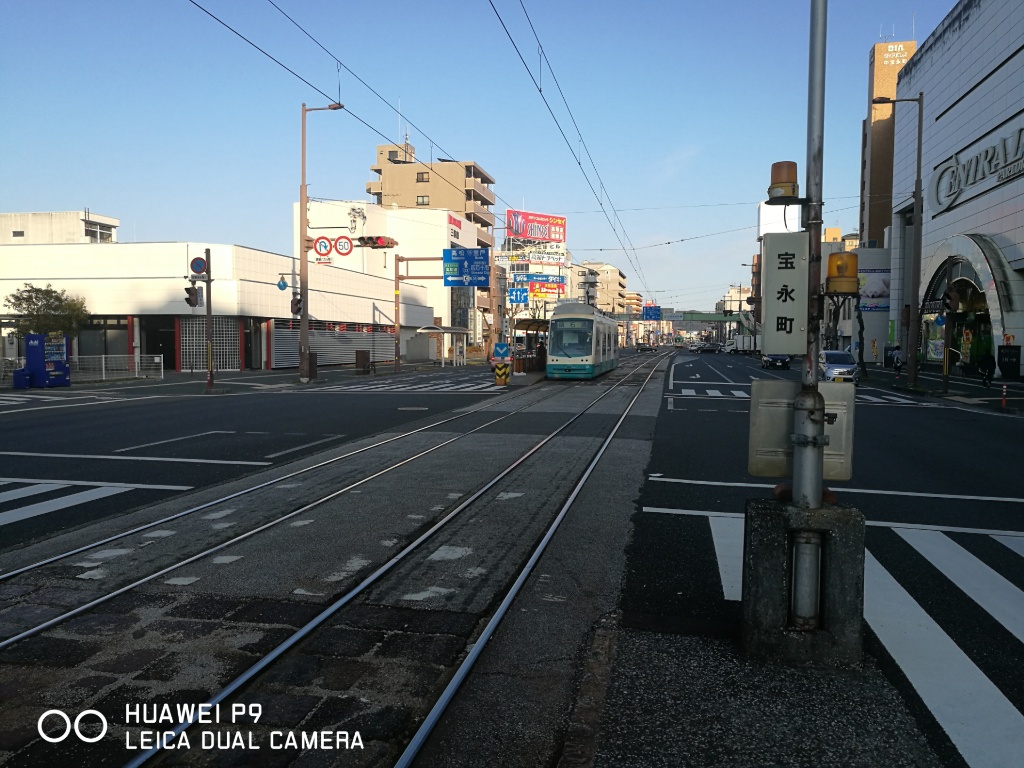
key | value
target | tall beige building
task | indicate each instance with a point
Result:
(611, 286)
(884, 64)
(464, 187)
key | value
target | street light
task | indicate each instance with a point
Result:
(305, 244)
(915, 259)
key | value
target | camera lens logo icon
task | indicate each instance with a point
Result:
(68, 727)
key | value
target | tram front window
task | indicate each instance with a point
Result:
(570, 338)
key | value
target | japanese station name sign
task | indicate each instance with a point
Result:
(784, 289)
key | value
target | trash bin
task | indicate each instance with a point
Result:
(22, 378)
(1008, 360)
(362, 361)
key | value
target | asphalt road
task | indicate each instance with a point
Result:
(75, 455)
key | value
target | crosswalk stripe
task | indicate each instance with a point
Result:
(715, 393)
(740, 394)
(985, 727)
(1014, 543)
(870, 399)
(727, 533)
(1001, 599)
(31, 490)
(43, 507)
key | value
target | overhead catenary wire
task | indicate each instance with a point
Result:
(568, 144)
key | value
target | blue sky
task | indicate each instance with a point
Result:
(155, 113)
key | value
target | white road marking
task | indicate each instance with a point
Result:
(300, 523)
(32, 490)
(727, 533)
(508, 495)
(43, 507)
(688, 392)
(307, 445)
(218, 515)
(985, 727)
(99, 573)
(130, 458)
(159, 534)
(740, 393)
(1009, 536)
(878, 492)
(1016, 543)
(1003, 601)
(307, 592)
(221, 526)
(225, 559)
(714, 393)
(106, 554)
(182, 581)
(175, 440)
(127, 486)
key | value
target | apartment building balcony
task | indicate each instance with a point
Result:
(374, 188)
(484, 239)
(476, 213)
(481, 192)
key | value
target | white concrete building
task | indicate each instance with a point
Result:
(135, 292)
(971, 73)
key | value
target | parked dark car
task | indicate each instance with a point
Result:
(712, 346)
(643, 346)
(775, 361)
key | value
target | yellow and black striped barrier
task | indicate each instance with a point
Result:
(501, 373)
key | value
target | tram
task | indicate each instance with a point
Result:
(679, 342)
(583, 342)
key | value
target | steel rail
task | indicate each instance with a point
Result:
(420, 737)
(341, 602)
(237, 494)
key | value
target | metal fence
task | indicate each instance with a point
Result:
(98, 368)
(112, 367)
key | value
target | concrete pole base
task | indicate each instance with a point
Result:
(767, 584)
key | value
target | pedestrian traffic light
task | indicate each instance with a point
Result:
(377, 241)
(951, 301)
(296, 305)
(192, 296)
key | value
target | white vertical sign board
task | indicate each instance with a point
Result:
(784, 290)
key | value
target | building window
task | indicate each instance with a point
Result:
(18, 233)
(422, 199)
(393, 154)
(423, 176)
(98, 233)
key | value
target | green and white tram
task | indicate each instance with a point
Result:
(583, 342)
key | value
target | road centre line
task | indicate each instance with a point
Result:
(140, 486)
(299, 448)
(1014, 535)
(176, 439)
(841, 489)
(133, 458)
(78, 405)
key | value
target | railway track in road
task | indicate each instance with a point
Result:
(121, 613)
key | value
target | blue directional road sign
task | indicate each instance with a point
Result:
(501, 351)
(651, 313)
(518, 295)
(467, 266)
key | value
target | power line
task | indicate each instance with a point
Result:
(566, 139)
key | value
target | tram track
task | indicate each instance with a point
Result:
(368, 581)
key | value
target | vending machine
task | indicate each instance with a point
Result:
(46, 359)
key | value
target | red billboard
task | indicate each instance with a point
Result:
(535, 226)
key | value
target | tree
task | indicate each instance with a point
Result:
(46, 310)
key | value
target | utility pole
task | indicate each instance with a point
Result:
(209, 324)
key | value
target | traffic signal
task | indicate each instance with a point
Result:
(951, 301)
(727, 312)
(192, 296)
(296, 304)
(377, 241)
